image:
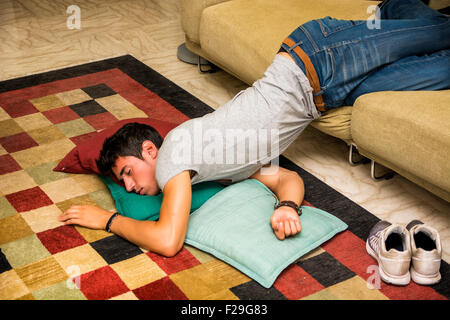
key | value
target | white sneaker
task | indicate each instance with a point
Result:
(389, 244)
(426, 252)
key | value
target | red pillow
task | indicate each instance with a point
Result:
(82, 158)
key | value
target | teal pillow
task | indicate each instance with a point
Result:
(234, 226)
(145, 207)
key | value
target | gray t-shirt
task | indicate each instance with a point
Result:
(250, 131)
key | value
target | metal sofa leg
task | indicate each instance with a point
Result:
(355, 158)
(212, 67)
(353, 153)
(185, 55)
(386, 176)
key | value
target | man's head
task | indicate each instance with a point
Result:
(130, 154)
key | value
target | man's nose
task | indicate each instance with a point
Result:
(129, 184)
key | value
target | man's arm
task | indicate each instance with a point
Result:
(165, 236)
(286, 185)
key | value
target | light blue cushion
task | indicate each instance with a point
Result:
(234, 226)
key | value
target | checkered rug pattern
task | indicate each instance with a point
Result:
(44, 116)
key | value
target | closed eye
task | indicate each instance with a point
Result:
(122, 172)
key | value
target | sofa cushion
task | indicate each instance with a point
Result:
(191, 12)
(336, 122)
(409, 130)
(244, 35)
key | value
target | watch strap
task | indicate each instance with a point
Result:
(291, 204)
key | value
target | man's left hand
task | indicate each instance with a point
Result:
(285, 222)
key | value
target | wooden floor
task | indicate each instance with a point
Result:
(34, 38)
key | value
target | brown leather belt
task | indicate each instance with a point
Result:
(310, 73)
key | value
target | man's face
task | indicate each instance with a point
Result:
(138, 175)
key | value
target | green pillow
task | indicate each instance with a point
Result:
(234, 226)
(145, 207)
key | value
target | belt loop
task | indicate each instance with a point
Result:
(295, 45)
(318, 93)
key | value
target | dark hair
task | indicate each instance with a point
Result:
(127, 141)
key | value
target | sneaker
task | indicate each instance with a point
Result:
(426, 252)
(389, 244)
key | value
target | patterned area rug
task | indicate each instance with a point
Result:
(43, 116)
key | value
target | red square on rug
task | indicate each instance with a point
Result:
(28, 199)
(101, 120)
(61, 238)
(17, 142)
(19, 108)
(295, 283)
(102, 284)
(162, 289)
(60, 115)
(182, 261)
(351, 252)
(412, 291)
(8, 164)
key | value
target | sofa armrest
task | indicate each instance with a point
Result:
(408, 132)
(191, 12)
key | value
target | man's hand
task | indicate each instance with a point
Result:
(285, 222)
(286, 185)
(87, 216)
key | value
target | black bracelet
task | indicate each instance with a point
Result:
(290, 204)
(108, 225)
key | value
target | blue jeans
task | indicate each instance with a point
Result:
(409, 51)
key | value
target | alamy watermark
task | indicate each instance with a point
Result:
(74, 20)
(229, 146)
(374, 280)
(74, 282)
(374, 21)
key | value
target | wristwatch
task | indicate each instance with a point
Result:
(291, 204)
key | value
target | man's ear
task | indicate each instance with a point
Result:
(149, 149)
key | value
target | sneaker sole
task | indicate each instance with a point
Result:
(402, 280)
(424, 279)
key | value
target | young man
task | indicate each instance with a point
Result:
(323, 64)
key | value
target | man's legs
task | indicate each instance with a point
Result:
(427, 72)
(406, 9)
(344, 53)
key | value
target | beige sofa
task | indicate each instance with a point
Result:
(389, 128)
